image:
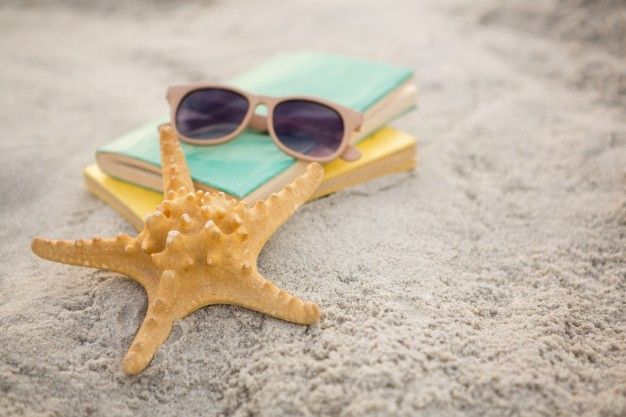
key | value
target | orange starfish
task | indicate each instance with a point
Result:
(196, 249)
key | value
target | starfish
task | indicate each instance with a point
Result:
(196, 249)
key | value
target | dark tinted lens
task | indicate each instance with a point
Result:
(210, 113)
(308, 128)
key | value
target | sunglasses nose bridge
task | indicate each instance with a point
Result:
(261, 107)
(258, 121)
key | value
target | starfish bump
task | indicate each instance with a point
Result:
(195, 250)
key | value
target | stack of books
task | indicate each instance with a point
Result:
(127, 174)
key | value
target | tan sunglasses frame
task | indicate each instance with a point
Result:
(352, 120)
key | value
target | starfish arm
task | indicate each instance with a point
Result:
(156, 326)
(267, 215)
(151, 335)
(258, 294)
(174, 167)
(110, 254)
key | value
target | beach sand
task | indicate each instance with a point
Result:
(491, 281)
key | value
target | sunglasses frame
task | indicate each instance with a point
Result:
(352, 120)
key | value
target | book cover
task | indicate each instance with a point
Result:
(242, 165)
(387, 151)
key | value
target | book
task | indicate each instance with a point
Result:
(384, 152)
(251, 166)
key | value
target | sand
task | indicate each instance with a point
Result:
(490, 282)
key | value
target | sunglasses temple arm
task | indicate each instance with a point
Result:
(351, 153)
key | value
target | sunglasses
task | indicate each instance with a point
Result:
(306, 128)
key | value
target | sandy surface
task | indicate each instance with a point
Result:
(489, 282)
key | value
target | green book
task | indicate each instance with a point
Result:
(251, 164)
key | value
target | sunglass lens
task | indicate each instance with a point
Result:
(309, 128)
(210, 113)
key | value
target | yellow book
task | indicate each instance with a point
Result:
(385, 152)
